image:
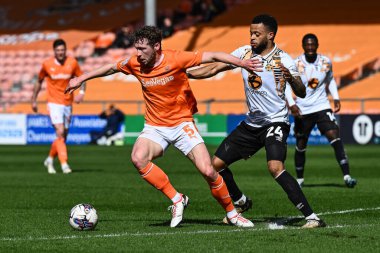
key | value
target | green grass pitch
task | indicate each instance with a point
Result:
(133, 216)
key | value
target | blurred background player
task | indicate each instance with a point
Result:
(114, 118)
(57, 71)
(266, 124)
(170, 105)
(317, 75)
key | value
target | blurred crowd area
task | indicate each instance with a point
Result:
(98, 32)
(19, 68)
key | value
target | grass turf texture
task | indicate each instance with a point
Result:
(34, 206)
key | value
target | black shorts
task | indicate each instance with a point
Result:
(325, 121)
(246, 140)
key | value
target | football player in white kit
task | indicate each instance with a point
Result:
(266, 124)
(317, 75)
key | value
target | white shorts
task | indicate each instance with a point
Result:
(60, 114)
(184, 137)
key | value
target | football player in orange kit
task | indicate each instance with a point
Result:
(170, 105)
(57, 71)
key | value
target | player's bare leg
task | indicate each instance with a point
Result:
(143, 153)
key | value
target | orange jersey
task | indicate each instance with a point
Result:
(167, 94)
(57, 77)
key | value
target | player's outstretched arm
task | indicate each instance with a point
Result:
(105, 70)
(208, 71)
(251, 65)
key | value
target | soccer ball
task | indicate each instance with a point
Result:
(83, 217)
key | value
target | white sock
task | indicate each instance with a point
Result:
(232, 214)
(243, 198)
(177, 197)
(64, 166)
(49, 159)
(346, 177)
(312, 216)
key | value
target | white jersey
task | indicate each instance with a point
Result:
(265, 91)
(316, 76)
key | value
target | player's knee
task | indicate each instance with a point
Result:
(60, 134)
(301, 145)
(332, 134)
(217, 163)
(275, 168)
(139, 160)
(209, 173)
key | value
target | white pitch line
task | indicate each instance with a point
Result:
(4, 239)
(343, 211)
(350, 211)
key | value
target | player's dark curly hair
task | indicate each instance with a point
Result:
(267, 20)
(151, 33)
(309, 36)
(59, 42)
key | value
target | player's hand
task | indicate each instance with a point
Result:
(34, 106)
(74, 84)
(295, 110)
(286, 74)
(78, 98)
(336, 106)
(253, 65)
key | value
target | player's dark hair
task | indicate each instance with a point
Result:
(267, 20)
(151, 33)
(309, 36)
(59, 42)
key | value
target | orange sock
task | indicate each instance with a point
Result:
(53, 149)
(220, 192)
(62, 150)
(157, 178)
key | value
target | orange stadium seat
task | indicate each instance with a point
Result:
(364, 89)
(336, 32)
(105, 40)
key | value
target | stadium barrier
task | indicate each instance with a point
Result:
(24, 129)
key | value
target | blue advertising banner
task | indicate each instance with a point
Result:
(12, 129)
(315, 136)
(40, 131)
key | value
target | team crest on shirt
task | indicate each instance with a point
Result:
(313, 83)
(268, 67)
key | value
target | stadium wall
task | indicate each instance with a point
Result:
(31, 129)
